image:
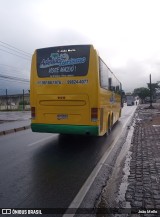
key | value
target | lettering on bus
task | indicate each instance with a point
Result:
(49, 82)
(58, 82)
(64, 63)
(57, 59)
(62, 69)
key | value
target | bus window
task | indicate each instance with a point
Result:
(103, 74)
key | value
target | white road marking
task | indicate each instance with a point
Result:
(42, 140)
(85, 188)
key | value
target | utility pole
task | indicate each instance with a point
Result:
(23, 99)
(7, 99)
(150, 91)
(150, 84)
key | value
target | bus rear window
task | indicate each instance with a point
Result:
(63, 61)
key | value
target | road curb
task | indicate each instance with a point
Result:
(6, 132)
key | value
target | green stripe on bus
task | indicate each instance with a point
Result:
(65, 129)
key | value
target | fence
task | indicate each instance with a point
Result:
(15, 101)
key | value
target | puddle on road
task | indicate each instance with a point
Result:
(113, 195)
(126, 170)
(124, 185)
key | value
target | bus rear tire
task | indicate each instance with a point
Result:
(109, 127)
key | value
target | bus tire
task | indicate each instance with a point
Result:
(109, 125)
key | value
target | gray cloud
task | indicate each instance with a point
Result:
(128, 46)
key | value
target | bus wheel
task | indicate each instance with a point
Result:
(109, 127)
(120, 113)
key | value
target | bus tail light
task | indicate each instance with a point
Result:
(33, 112)
(94, 114)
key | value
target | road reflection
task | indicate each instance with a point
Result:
(60, 168)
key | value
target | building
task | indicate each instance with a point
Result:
(15, 102)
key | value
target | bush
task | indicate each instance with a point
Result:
(23, 103)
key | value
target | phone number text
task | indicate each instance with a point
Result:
(58, 82)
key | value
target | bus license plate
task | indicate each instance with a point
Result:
(62, 116)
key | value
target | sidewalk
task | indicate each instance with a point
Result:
(11, 122)
(144, 180)
(138, 185)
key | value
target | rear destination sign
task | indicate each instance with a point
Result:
(63, 61)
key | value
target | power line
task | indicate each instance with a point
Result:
(13, 71)
(15, 51)
(15, 48)
(12, 67)
(8, 80)
(19, 52)
(14, 78)
(27, 58)
(14, 74)
(15, 81)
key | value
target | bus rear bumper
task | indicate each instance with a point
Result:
(65, 129)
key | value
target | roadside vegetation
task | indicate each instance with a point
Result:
(144, 93)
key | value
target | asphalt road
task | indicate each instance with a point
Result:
(47, 171)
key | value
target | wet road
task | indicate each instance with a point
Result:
(47, 171)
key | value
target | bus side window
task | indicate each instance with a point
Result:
(113, 88)
(103, 74)
(110, 83)
(117, 88)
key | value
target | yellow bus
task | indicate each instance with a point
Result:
(72, 91)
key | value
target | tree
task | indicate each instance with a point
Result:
(154, 88)
(142, 92)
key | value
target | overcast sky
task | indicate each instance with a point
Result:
(125, 32)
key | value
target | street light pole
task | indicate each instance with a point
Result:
(150, 91)
(150, 84)
(7, 99)
(23, 99)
